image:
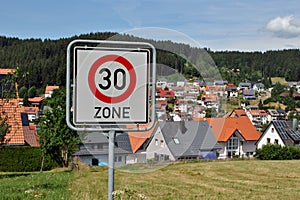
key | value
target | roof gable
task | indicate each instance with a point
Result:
(137, 139)
(188, 138)
(223, 128)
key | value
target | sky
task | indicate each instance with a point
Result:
(216, 24)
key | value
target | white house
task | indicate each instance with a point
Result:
(236, 136)
(258, 117)
(280, 132)
(258, 87)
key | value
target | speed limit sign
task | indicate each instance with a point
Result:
(111, 85)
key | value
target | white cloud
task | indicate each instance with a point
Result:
(286, 27)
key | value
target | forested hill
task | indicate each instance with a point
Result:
(45, 60)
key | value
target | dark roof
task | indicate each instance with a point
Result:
(243, 84)
(285, 131)
(188, 138)
(122, 144)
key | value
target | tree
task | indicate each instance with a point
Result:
(260, 105)
(211, 112)
(25, 100)
(4, 129)
(31, 92)
(22, 91)
(56, 138)
(277, 90)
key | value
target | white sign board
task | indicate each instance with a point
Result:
(111, 85)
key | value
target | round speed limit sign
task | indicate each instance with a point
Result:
(117, 76)
(112, 86)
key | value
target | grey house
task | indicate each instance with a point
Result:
(94, 149)
(182, 140)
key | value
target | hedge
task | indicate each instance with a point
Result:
(277, 152)
(23, 159)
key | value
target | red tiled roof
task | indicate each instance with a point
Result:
(258, 112)
(7, 71)
(36, 99)
(238, 113)
(12, 110)
(223, 128)
(137, 139)
(207, 97)
(211, 88)
(50, 88)
(167, 93)
(30, 135)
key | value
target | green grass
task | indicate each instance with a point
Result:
(46, 185)
(241, 179)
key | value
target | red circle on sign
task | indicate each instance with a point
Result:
(111, 58)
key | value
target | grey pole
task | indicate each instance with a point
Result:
(111, 163)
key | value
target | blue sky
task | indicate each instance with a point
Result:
(217, 24)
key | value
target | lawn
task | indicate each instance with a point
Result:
(45, 185)
(241, 179)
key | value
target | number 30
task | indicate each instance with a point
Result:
(108, 81)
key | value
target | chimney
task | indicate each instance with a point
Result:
(295, 124)
(182, 126)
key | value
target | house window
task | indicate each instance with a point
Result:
(118, 158)
(232, 143)
(276, 141)
(272, 130)
(162, 144)
(156, 142)
(268, 140)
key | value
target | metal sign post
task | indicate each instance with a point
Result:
(111, 163)
(108, 88)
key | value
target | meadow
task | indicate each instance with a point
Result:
(241, 179)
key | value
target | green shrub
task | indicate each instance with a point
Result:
(277, 152)
(23, 159)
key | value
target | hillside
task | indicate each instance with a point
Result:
(45, 60)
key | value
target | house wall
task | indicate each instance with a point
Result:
(120, 159)
(272, 134)
(248, 149)
(156, 147)
(245, 149)
(136, 158)
(87, 159)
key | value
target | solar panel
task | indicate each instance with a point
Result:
(294, 134)
(282, 133)
(282, 124)
(281, 127)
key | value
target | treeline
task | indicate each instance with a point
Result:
(44, 61)
(253, 65)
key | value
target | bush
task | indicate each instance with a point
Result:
(23, 159)
(277, 152)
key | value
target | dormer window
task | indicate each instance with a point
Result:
(176, 140)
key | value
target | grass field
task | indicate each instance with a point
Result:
(242, 179)
(280, 80)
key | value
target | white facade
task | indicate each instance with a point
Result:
(180, 83)
(270, 136)
(158, 149)
(237, 146)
